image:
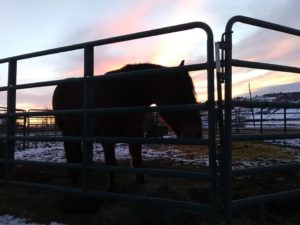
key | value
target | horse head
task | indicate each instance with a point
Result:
(180, 91)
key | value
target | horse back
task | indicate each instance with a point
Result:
(107, 93)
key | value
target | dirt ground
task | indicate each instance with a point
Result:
(44, 207)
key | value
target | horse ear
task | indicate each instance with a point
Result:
(182, 63)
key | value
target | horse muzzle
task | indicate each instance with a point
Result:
(191, 132)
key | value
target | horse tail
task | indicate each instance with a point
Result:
(57, 104)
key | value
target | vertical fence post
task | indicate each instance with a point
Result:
(213, 190)
(284, 120)
(261, 120)
(11, 119)
(87, 118)
(238, 120)
(24, 132)
(227, 151)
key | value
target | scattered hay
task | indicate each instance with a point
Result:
(241, 151)
(256, 150)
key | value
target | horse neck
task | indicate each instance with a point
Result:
(157, 90)
(170, 90)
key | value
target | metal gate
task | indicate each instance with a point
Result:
(87, 166)
(219, 174)
(224, 74)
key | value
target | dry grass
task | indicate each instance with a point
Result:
(255, 150)
(241, 151)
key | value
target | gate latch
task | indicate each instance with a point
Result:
(219, 67)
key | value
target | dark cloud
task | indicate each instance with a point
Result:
(294, 87)
(287, 14)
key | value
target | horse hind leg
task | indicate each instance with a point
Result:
(136, 155)
(110, 160)
(2, 156)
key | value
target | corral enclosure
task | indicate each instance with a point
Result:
(187, 184)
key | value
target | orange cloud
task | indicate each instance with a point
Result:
(269, 47)
(172, 48)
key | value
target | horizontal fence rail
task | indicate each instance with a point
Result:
(151, 72)
(128, 37)
(265, 66)
(120, 169)
(136, 140)
(117, 196)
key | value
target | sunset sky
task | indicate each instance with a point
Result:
(34, 25)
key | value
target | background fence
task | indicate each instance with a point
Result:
(245, 120)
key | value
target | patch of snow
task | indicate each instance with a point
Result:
(11, 220)
(294, 143)
(54, 152)
(50, 152)
(259, 162)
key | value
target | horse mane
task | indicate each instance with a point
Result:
(148, 66)
(136, 67)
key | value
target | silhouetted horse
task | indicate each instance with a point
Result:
(123, 91)
(2, 156)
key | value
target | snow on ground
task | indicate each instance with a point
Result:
(11, 220)
(286, 142)
(260, 162)
(54, 152)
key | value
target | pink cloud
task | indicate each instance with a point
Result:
(138, 17)
(269, 47)
(132, 20)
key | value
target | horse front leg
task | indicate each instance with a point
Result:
(136, 154)
(74, 155)
(110, 160)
